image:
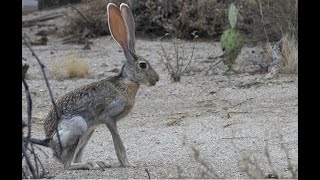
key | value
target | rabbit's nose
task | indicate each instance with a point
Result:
(157, 78)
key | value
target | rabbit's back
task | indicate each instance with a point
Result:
(91, 100)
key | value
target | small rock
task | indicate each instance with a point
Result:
(104, 65)
(100, 74)
(115, 70)
(87, 46)
(212, 92)
(273, 73)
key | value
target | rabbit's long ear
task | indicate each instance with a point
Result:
(128, 16)
(117, 26)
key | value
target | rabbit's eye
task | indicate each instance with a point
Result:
(143, 65)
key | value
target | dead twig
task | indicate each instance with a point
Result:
(29, 110)
(48, 86)
(247, 85)
(290, 166)
(28, 140)
(77, 10)
(177, 119)
(35, 21)
(30, 166)
(147, 173)
(237, 112)
(267, 153)
(25, 68)
(238, 104)
(196, 156)
(253, 169)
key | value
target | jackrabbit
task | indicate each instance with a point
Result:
(102, 102)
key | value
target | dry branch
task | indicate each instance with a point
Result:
(33, 22)
(47, 83)
(148, 173)
(35, 165)
(25, 68)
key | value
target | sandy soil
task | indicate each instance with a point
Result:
(202, 127)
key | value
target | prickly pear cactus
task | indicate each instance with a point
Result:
(231, 39)
(232, 15)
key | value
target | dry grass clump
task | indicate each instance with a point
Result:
(253, 167)
(71, 67)
(289, 54)
(76, 68)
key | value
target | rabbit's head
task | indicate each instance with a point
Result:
(122, 28)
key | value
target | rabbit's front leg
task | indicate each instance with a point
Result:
(113, 112)
(118, 144)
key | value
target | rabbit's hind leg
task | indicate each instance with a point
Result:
(80, 150)
(81, 146)
(70, 131)
(74, 135)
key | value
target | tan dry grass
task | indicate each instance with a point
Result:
(289, 54)
(72, 67)
(76, 68)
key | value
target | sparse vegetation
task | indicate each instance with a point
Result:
(205, 169)
(90, 19)
(202, 16)
(283, 53)
(177, 62)
(285, 50)
(258, 20)
(253, 168)
(71, 67)
(289, 52)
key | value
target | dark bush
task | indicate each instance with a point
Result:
(259, 20)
